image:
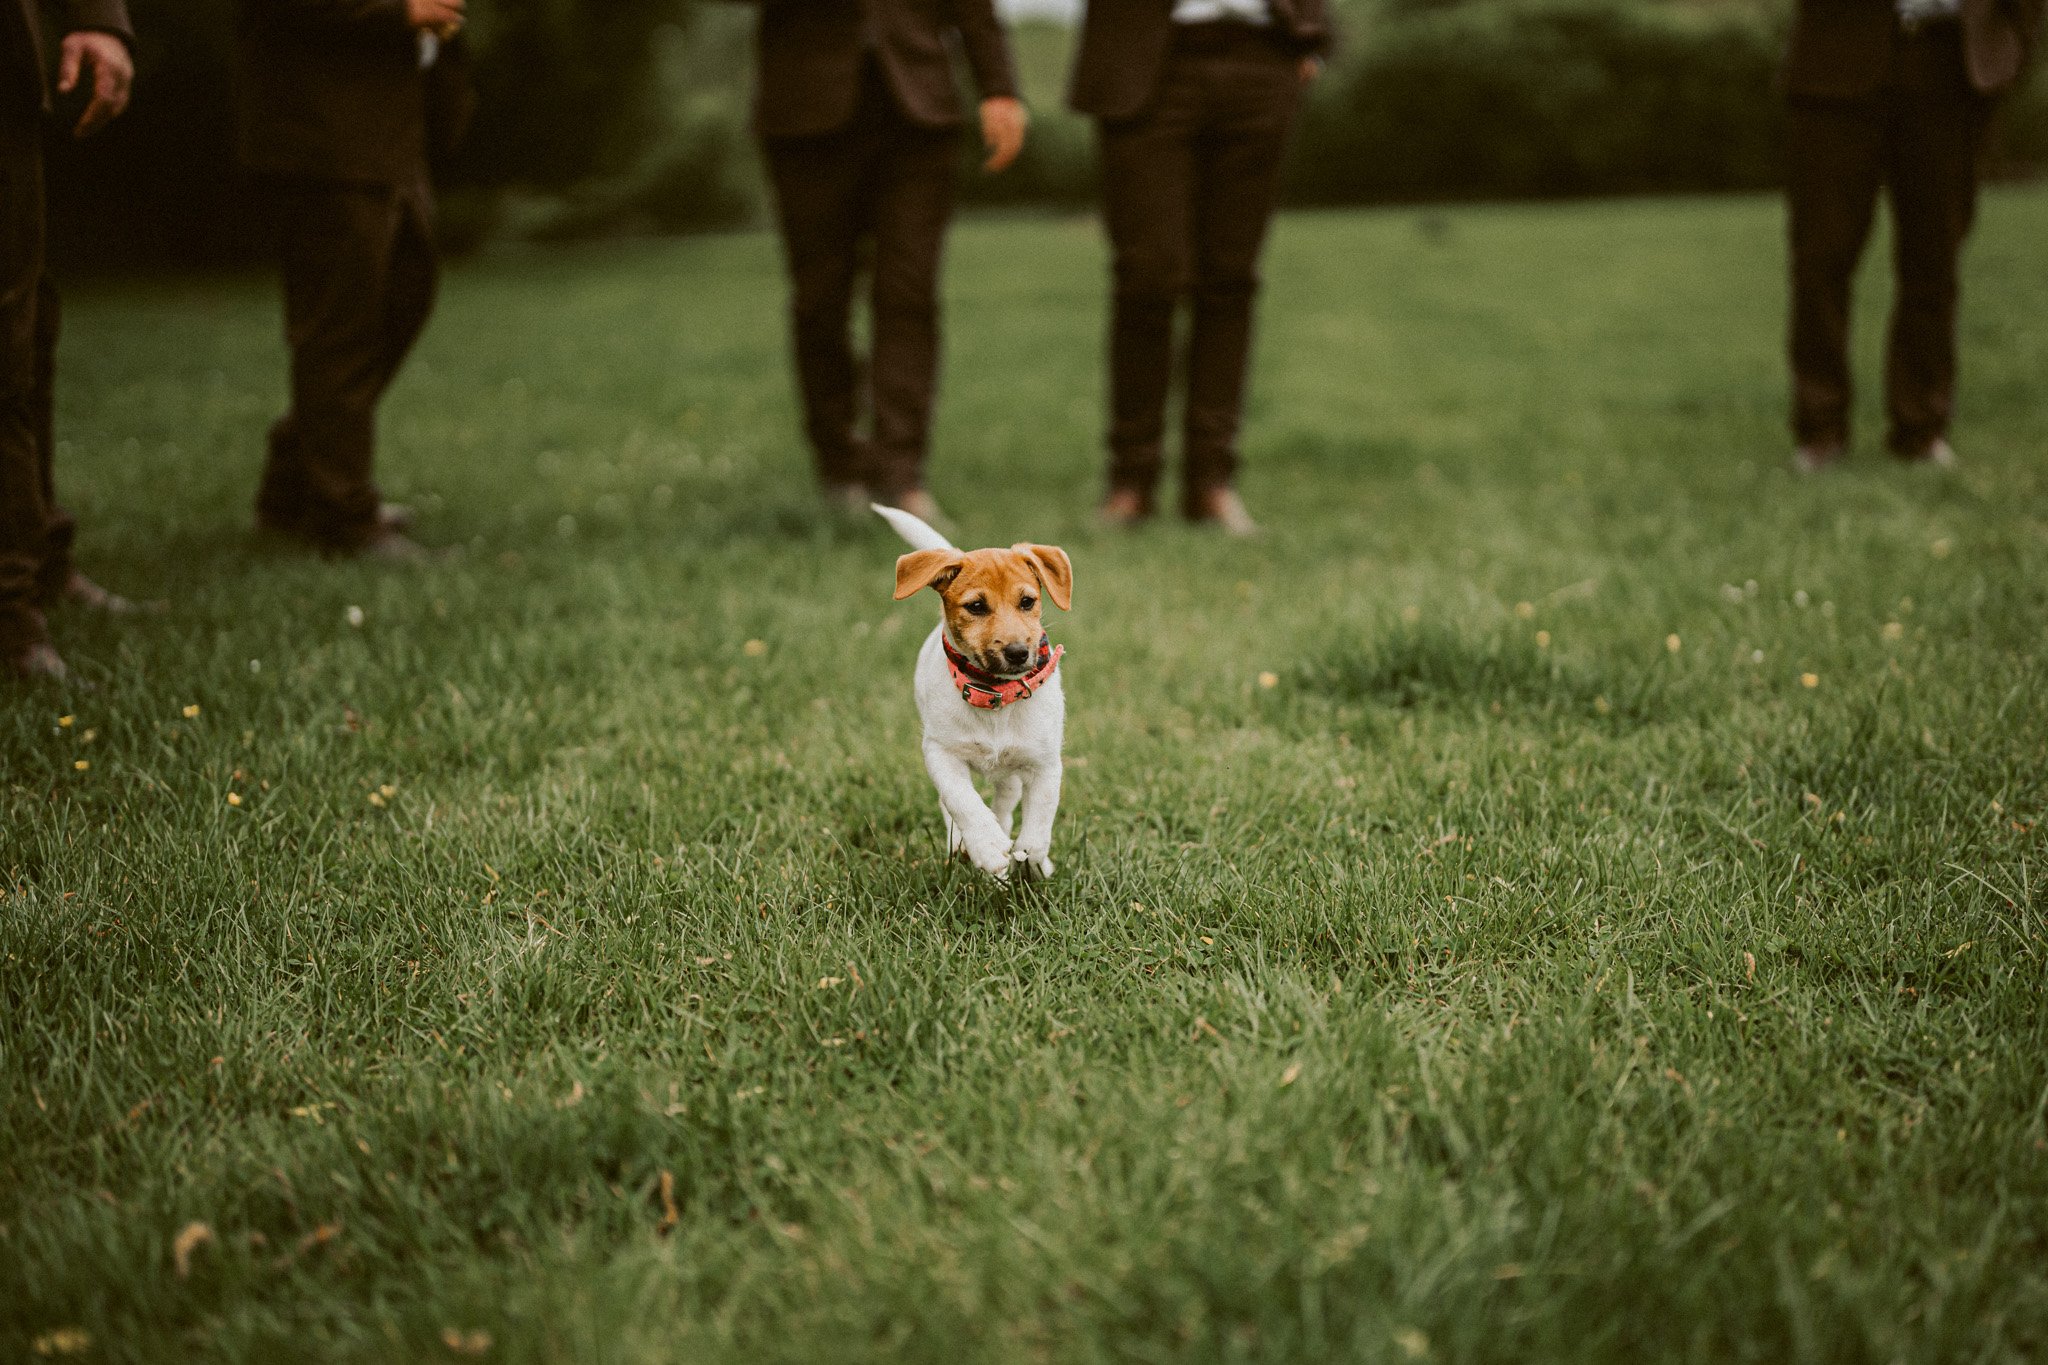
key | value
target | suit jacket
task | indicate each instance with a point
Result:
(1842, 48)
(1124, 45)
(334, 90)
(810, 55)
(23, 75)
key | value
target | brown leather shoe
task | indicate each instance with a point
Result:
(849, 500)
(80, 591)
(1815, 456)
(1938, 453)
(39, 662)
(1223, 509)
(1123, 509)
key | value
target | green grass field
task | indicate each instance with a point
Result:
(1571, 893)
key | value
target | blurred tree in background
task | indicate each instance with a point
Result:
(630, 116)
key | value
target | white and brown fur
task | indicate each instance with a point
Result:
(990, 608)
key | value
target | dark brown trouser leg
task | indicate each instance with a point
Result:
(820, 208)
(913, 203)
(60, 528)
(1148, 207)
(25, 512)
(359, 281)
(1931, 173)
(1835, 162)
(1237, 185)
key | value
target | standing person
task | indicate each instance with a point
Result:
(1893, 94)
(1194, 102)
(35, 534)
(342, 104)
(858, 113)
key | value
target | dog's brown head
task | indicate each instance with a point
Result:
(993, 599)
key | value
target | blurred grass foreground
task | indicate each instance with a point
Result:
(1572, 892)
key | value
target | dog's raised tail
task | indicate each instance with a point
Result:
(913, 529)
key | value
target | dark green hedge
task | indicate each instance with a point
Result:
(1547, 97)
(617, 116)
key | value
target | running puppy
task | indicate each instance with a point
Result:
(988, 690)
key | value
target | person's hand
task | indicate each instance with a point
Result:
(1003, 121)
(113, 75)
(1311, 67)
(442, 18)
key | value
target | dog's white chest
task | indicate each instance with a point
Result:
(1018, 738)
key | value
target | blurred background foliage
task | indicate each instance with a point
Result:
(618, 117)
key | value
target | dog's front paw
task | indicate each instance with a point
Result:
(991, 854)
(1035, 864)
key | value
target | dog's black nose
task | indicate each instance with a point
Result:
(1016, 656)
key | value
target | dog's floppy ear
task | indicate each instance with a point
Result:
(925, 569)
(1055, 570)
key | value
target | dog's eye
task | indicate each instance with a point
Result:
(977, 608)
(1027, 603)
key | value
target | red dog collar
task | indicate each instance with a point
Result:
(985, 691)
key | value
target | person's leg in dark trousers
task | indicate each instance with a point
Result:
(822, 201)
(1931, 175)
(1237, 183)
(60, 528)
(358, 284)
(1148, 177)
(1835, 163)
(25, 514)
(912, 204)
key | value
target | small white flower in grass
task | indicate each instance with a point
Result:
(1672, 643)
(354, 616)
(1542, 639)
(1756, 656)
(1730, 593)
(1940, 548)
(1525, 610)
(1269, 680)
(754, 649)
(1800, 599)
(1893, 630)
(255, 665)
